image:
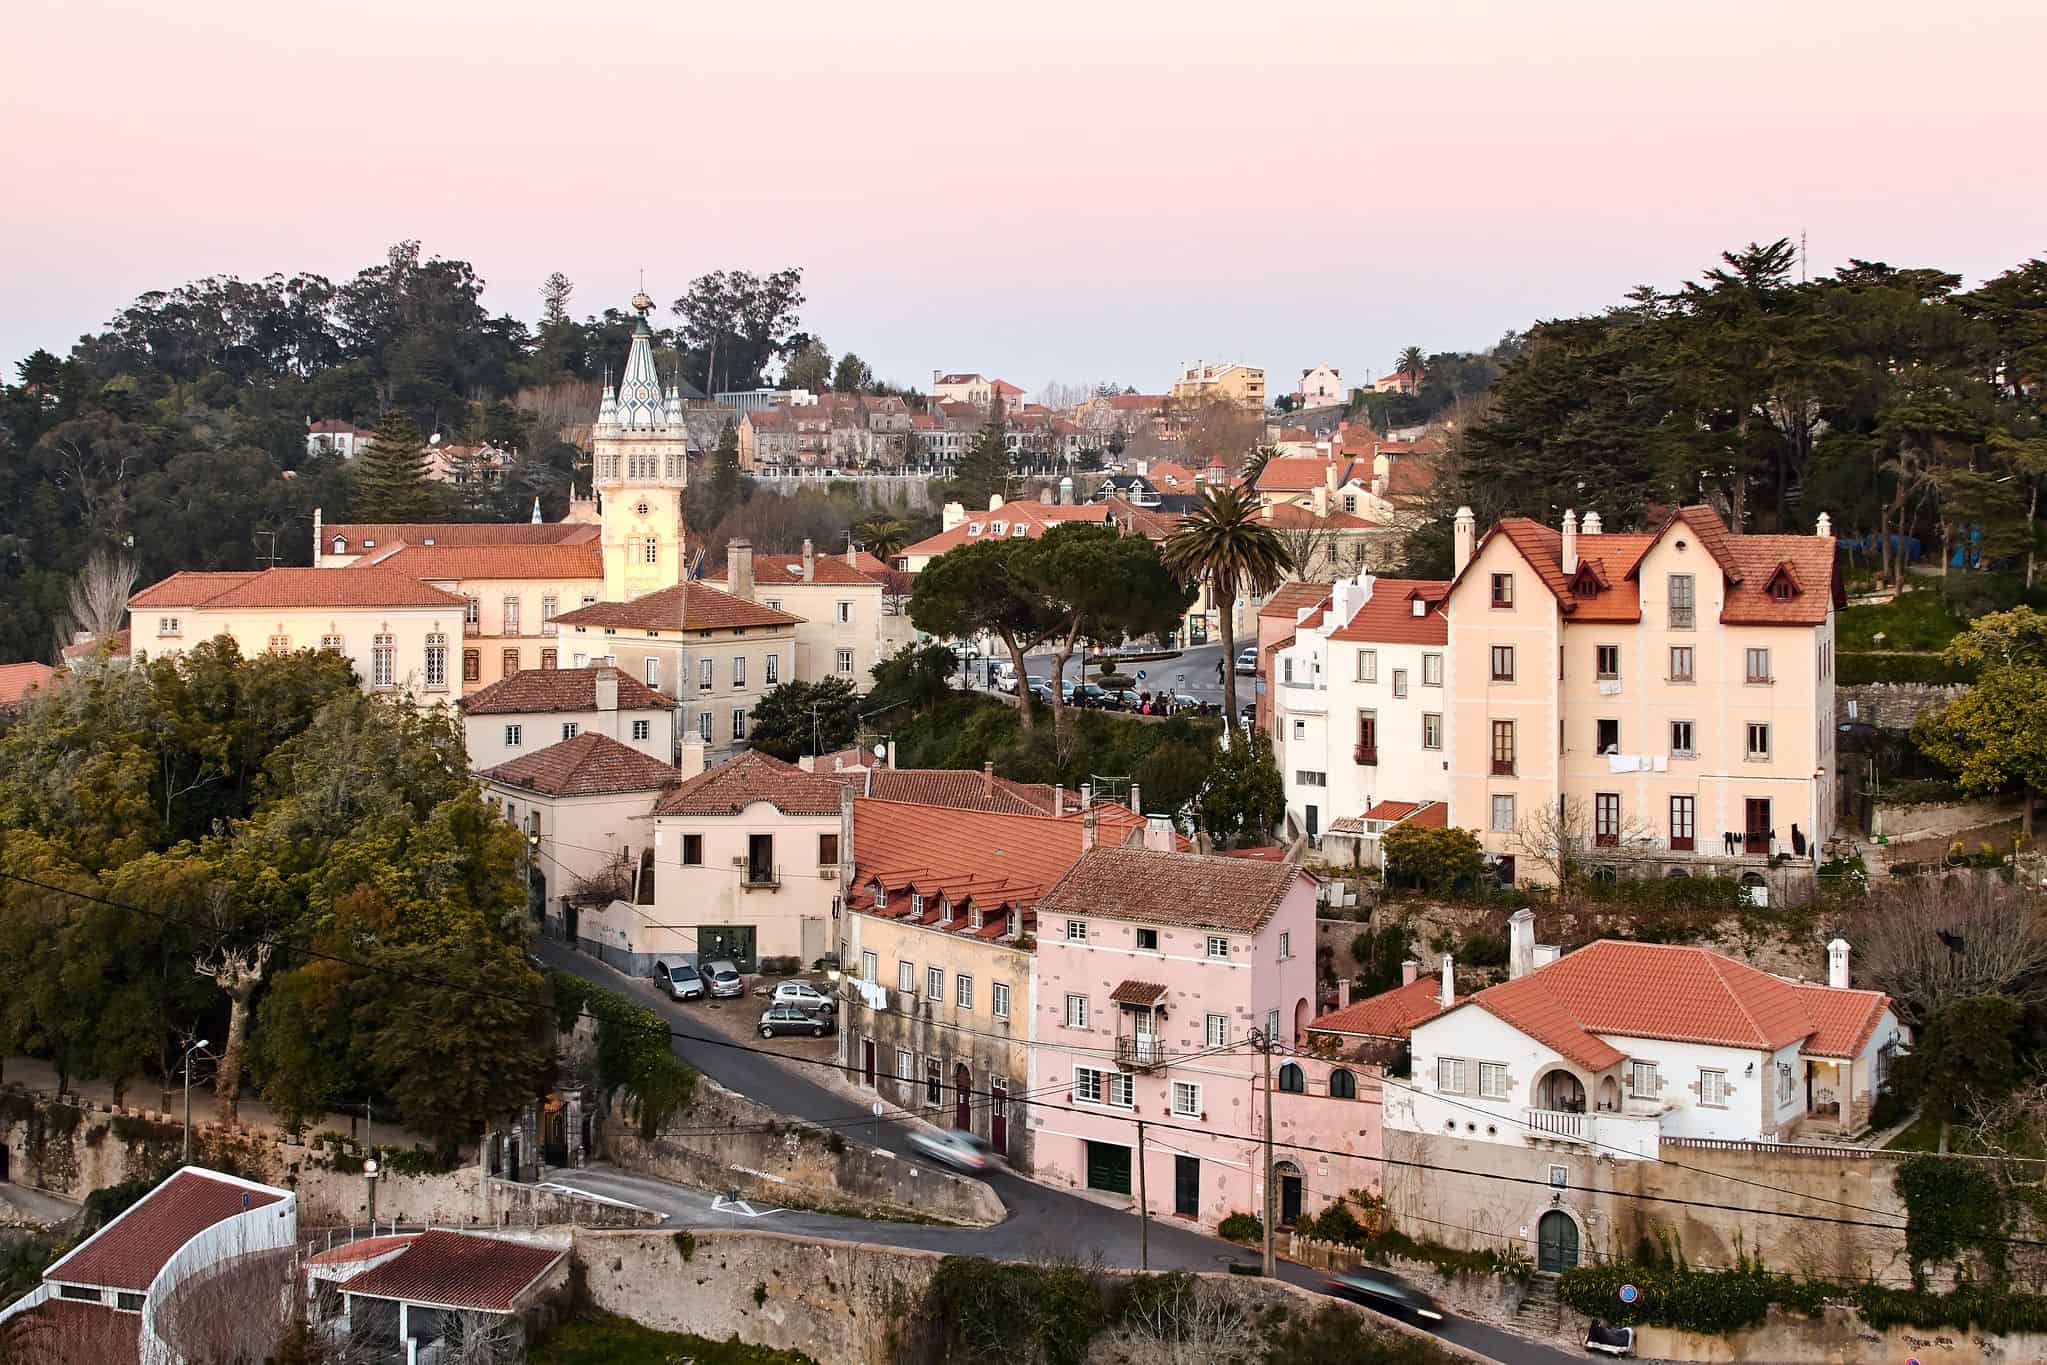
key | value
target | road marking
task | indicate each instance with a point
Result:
(720, 1204)
(599, 1198)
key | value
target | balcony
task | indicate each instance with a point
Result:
(1503, 767)
(472, 627)
(760, 876)
(1367, 755)
(1140, 1052)
(1558, 1125)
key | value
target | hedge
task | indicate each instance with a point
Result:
(1855, 669)
(1713, 1302)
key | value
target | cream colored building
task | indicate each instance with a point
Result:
(1243, 385)
(640, 463)
(512, 595)
(1671, 694)
(531, 711)
(847, 622)
(402, 635)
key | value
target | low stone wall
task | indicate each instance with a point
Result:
(1899, 823)
(727, 1142)
(851, 1303)
(1893, 706)
(1486, 1298)
(1840, 1337)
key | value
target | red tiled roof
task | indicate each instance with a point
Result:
(18, 680)
(1272, 853)
(989, 857)
(707, 608)
(1036, 518)
(753, 776)
(494, 561)
(1141, 993)
(958, 789)
(1434, 815)
(1301, 473)
(294, 588)
(1288, 598)
(1292, 515)
(771, 571)
(358, 534)
(458, 1270)
(1388, 616)
(1843, 1020)
(127, 1253)
(1389, 1014)
(1195, 890)
(334, 426)
(588, 765)
(361, 1249)
(558, 689)
(1409, 477)
(1393, 810)
(85, 649)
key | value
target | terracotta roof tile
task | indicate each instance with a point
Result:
(187, 589)
(1195, 890)
(494, 561)
(127, 1253)
(1293, 516)
(1388, 616)
(1141, 993)
(18, 680)
(588, 765)
(294, 588)
(707, 608)
(1035, 517)
(1288, 598)
(772, 571)
(558, 689)
(1389, 1014)
(1302, 473)
(361, 1249)
(753, 776)
(989, 857)
(458, 1270)
(1842, 1020)
(1393, 810)
(85, 649)
(957, 789)
(69, 1331)
(358, 534)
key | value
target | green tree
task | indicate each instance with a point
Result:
(1224, 544)
(1245, 795)
(726, 487)
(917, 676)
(1097, 585)
(981, 589)
(810, 368)
(883, 537)
(391, 474)
(1994, 736)
(806, 718)
(852, 375)
(1967, 1054)
(984, 469)
(1437, 860)
(1411, 365)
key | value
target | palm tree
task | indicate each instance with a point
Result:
(1255, 462)
(882, 537)
(1413, 365)
(1225, 544)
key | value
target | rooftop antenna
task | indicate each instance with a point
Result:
(1801, 256)
(269, 558)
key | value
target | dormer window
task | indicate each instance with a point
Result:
(996, 528)
(1018, 530)
(973, 528)
(1783, 584)
(1586, 583)
(1421, 608)
(916, 903)
(880, 896)
(369, 544)
(340, 545)
(974, 917)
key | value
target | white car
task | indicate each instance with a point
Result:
(726, 982)
(804, 996)
(955, 1147)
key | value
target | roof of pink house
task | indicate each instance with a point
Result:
(1201, 891)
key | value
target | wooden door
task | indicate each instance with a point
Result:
(867, 1060)
(1756, 830)
(1187, 1186)
(1557, 1243)
(1683, 823)
(962, 1097)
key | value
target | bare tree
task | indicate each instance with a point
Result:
(1560, 839)
(98, 601)
(469, 1338)
(1177, 1319)
(1932, 941)
(238, 1312)
(238, 969)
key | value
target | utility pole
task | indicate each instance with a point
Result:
(1265, 1044)
(1143, 1206)
(369, 1166)
(188, 1099)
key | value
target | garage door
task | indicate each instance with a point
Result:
(1108, 1167)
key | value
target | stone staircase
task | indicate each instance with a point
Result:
(1540, 1312)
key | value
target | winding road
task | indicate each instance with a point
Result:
(1042, 1220)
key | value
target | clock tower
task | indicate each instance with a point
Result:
(639, 464)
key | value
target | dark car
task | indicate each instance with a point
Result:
(1385, 1291)
(780, 1019)
(1088, 694)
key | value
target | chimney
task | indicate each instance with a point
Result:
(809, 561)
(1158, 833)
(988, 779)
(607, 689)
(808, 763)
(739, 568)
(1136, 798)
(690, 756)
(951, 515)
(1837, 960)
(1409, 970)
(1343, 993)
(1591, 524)
(1058, 799)
(1382, 473)
(1824, 527)
(1466, 537)
(1570, 553)
(1329, 476)
(995, 502)
(1447, 995)
(1087, 830)
(1087, 796)
(1321, 500)
(319, 549)
(852, 554)
(891, 753)
(1520, 943)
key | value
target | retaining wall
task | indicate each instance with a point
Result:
(1841, 1337)
(1893, 706)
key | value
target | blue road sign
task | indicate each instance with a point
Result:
(1629, 1293)
(1140, 675)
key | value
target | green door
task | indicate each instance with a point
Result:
(1108, 1167)
(1557, 1243)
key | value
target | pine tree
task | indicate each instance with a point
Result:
(984, 469)
(390, 476)
(725, 471)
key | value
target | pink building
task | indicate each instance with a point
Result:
(1153, 970)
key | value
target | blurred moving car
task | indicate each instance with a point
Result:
(955, 1147)
(1385, 1291)
(726, 981)
(780, 1019)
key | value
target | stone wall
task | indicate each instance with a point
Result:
(1898, 823)
(844, 1302)
(724, 1141)
(1841, 1337)
(1486, 1298)
(1893, 706)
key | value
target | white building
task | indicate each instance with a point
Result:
(1359, 705)
(1320, 387)
(529, 711)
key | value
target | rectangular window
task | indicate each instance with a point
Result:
(692, 850)
(1432, 670)
(1122, 1090)
(739, 725)
(1503, 590)
(652, 672)
(550, 658)
(1147, 940)
(1272, 1024)
(1503, 815)
(1606, 819)
(1300, 729)
(1682, 602)
(1399, 682)
(934, 1081)
(845, 613)
(515, 735)
(905, 1065)
(1503, 748)
(906, 977)
(870, 967)
(739, 670)
(963, 991)
(166, 625)
(1216, 1031)
(1785, 1084)
(511, 615)
(1758, 740)
(705, 675)
(1607, 661)
(332, 642)
(1450, 1075)
(570, 729)
(1712, 1088)
(1503, 663)
(1606, 736)
(1492, 1080)
(1368, 665)
(827, 850)
(774, 669)
(704, 727)
(1218, 948)
(1681, 663)
(280, 644)
(436, 660)
(998, 1000)
(472, 613)
(508, 662)
(549, 606)
(1758, 670)
(1643, 1079)
(472, 665)
(1076, 1011)
(1076, 931)
(1432, 730)
(1683, 823)
(1186, 1100)
(642, 730)
(1087, 1085)
(1286, 945)
(1681, 739)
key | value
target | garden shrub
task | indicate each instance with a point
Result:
(1241, 1227)
(996, 1311)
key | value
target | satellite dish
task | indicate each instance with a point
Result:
(881, 751)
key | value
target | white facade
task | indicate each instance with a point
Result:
(502, 737)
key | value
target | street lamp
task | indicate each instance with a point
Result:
(188, 1098)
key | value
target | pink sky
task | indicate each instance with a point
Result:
(1044, 191)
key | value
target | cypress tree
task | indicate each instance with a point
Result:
(984, 470)
(391, 474)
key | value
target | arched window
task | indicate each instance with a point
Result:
(341, 545)
(646, 888)
(1291, 1080)
(1342, 1085)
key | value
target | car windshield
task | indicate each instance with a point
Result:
(684, 973)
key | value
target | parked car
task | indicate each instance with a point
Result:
(1612, 1341)
(955, 1147)
(779, 1019)
(805, 996)
(1089, 694)
(726, 981)
(1385, 1291)
(1041, 691)
(1247, 659)
(1126, 698)
(678, 978)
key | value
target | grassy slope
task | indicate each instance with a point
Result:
(601, 1339)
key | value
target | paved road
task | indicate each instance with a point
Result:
(1042, 1221)
(1191, 671)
